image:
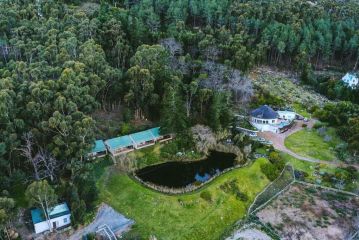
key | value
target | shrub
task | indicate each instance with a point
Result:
(241, 196)
(207, 196)
(301, 175)
(232, 188)
(304, 125)
(276, 159)
(90, 236)
(319, 124)
(270, 171)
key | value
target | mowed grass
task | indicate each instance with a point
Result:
(309, 143)
(186, 216)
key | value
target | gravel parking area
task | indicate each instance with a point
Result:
(106, 215)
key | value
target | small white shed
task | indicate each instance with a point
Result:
(60, 217)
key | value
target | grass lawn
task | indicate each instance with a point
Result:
(309, 143)
(186, 216)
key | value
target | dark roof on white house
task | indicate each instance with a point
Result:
(264, 112)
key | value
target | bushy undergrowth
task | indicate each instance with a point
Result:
(231, 187)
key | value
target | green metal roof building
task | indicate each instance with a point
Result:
(60, 216)
(129, 142)
(99, 149)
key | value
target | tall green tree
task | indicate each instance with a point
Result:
(41, 194)
(173, 116)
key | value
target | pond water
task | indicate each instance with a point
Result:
(181, 174)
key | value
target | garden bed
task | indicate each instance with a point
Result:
(308, 213)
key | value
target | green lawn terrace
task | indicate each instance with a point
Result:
(128, 143)
(311, 143)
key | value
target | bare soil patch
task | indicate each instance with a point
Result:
(307, 213)
(249, 234)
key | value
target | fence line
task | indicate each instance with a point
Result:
(250, 211)
(354, 236)
(269, 185)
(270, 199)
(325, 187)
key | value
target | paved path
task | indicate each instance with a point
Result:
(278, 143)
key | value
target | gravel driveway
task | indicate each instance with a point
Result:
(106, 215)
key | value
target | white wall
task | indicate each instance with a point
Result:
(43, 226)
(261, 121)
(265, 127)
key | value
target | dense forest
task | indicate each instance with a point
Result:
(176, 63)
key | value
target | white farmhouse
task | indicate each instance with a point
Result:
(351, 80)
(265, 118)
(60, 217)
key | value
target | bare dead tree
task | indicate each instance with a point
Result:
(241, 86)
(203, 137)
(223, 78)
(216, 75)
(43, 162)
(211, 53)
(49, 164)
(177, 62)
(27, 151)
(172, 46)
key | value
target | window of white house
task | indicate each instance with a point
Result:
(272, 121)
(65, 220)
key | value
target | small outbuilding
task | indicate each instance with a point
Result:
(60, 217)
(351, 80)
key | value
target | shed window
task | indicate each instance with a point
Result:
(65, 220)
